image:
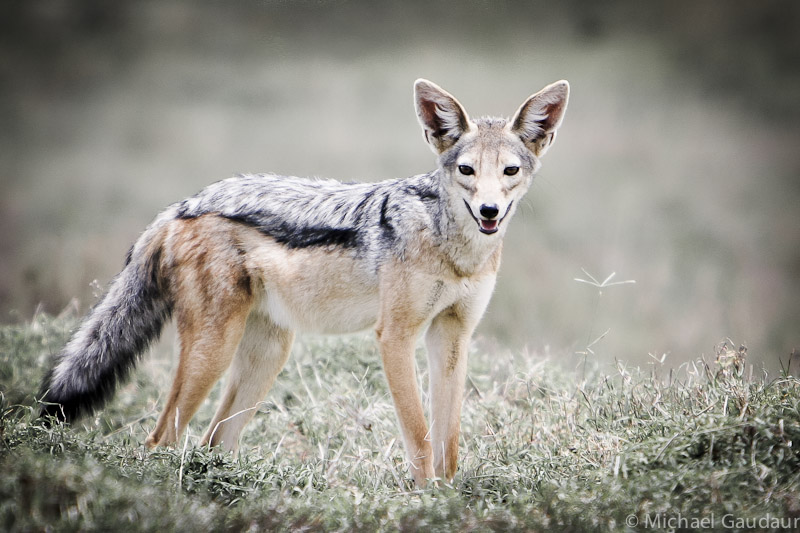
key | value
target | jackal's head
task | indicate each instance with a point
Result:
(488, 164)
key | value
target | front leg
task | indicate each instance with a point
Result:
(447, 342)
(397, 350)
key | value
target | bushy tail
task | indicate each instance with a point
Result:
(101, 353)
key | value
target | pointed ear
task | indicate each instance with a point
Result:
(538, 118)
(443, 119)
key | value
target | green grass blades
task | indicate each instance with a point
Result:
(707, 446)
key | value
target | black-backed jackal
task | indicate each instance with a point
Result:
(250, 260)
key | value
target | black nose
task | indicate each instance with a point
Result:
(489, 211)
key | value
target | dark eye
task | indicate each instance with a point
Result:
(466, 170)
(510, 171)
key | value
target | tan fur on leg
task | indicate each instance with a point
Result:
(397, 349)
(447, 340)
(261, 355)
(213, 299)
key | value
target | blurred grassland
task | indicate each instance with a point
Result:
(677, 165)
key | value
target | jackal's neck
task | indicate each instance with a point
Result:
(469, 255)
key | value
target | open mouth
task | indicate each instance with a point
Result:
(487, 226)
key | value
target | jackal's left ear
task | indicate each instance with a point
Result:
(443, 119)
(538, 118)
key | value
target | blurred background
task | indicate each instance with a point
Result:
(678, 164)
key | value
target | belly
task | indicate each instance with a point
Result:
(320, 311)
(316, 290)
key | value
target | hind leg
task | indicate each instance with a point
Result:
(205, 354)
(213, 294)
(260, 357)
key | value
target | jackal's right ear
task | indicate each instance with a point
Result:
(443, 119)
(538, 118)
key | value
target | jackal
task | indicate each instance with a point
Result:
(249, 260)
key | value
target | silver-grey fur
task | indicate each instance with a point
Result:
(369, 218)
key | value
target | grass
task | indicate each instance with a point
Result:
(540, 449)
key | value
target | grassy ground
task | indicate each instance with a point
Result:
(542, 447)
